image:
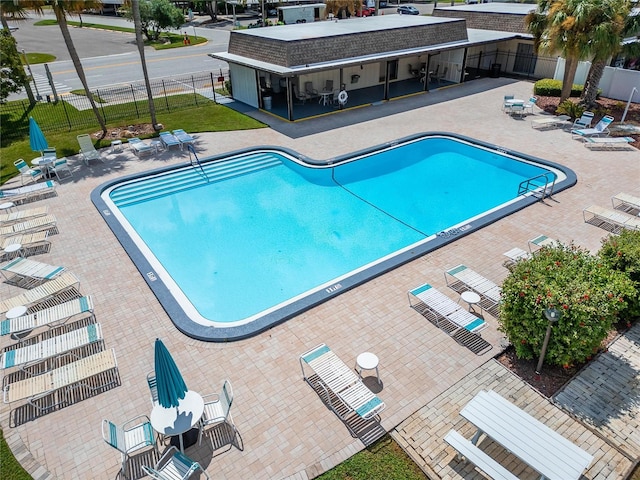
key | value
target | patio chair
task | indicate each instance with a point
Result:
(27, 273)
(612, 220)
(514, 256)
(530, 104)
(49, 152)
(217, 408)
(51, 347)
(414, 72)
(626, 202)
(49, 317)
(309, 90)
(467, 279)
(300, 96)
(134, 435)
(541, 241)
(153, 388)
(173, 465)
(28, 193)
(505, 103)
(516, 109)
(20, 215)
(37, 224)
(583, 122)
(139, 147)
(328, 86)
(183, 137)
(25, 172)
(60, 166)
(87, 150)
(169, 140)
(30, 243)
(443, 307)
(542, 123)
(601, 128)
(60, 289)
(441, 76)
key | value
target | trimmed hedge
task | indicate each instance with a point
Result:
(548, 87)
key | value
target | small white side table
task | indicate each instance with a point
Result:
(116, 145)
(16, 312)
(472, 298)
(367, 361)
(13, 250)
(7, 206)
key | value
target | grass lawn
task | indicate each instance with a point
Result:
(383, 460)
(166, 40)
(9, 466)
(208, 117)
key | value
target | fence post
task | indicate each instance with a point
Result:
(213, 87)
(166, 100)
(133, 95)
(66, 114)
(195, 94)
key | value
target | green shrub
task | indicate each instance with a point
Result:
(574, 110)
(584, 289)
(548, 87)
(622, 253)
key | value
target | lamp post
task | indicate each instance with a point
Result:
(552, 315)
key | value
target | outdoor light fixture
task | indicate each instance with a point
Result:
(552, 315)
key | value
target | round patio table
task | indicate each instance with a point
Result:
(175, 421)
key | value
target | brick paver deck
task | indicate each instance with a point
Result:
(285, 428)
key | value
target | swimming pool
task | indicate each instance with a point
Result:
(245, 240)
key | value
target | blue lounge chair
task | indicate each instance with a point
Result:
(169, 140)
(601, 128)
(183, 137)
(139, 147)
(28, 193)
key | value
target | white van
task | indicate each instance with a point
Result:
(301, 13)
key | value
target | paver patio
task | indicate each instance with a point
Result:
(285, 428)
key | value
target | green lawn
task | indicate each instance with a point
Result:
(9, 466)
(207, 117)
(384, 460)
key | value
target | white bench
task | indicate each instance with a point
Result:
(476, 456)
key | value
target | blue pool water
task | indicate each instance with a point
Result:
(258, 234)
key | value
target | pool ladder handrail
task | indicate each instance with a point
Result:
(530, 185)
(197, 160)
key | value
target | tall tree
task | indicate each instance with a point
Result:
(17, 10)
(12, 75)
(62, 8)
(563, 27)
(155, 16)
(613, 24)
(135, 10)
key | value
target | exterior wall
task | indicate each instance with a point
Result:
(243, 84)
(325, 49)
(616, 83)
(504, 22)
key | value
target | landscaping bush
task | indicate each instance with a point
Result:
(622, 253)
(587, 292)
(574, 110)
(548, 87)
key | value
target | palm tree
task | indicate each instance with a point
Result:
(62, 8)
(564, 27)
(613, 24)
(135, 10)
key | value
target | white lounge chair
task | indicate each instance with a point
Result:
(584, 121)
(468, 279)
(169, 140)
(20, 215)
(542, 123)
(139, 147)
(627, 203)
(67, 377)
(611, 220)
(38, 224)
(49, 317)
(27, 273)
(183, 137)
(541, 241)
(28, 193)
(173, 465)
(51, 347)
(30, 244)
(56, 291)
(443, 307)
(601, 129)
(87, 150)
(608, 143)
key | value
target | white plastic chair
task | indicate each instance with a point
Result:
(173, 465)
(217, 410)
(530, 104)
(30, 173)
(87, 149)
(59, 166)
(153, 388)
(134, 435)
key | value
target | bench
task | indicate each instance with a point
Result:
(476, 456)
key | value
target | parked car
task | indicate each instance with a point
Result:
(408, 10)
(366, 12)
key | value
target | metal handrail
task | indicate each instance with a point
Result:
(530, 185)
(193, 150)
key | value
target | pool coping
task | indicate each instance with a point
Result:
(223, 334)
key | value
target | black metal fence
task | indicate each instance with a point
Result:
(125, 101)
